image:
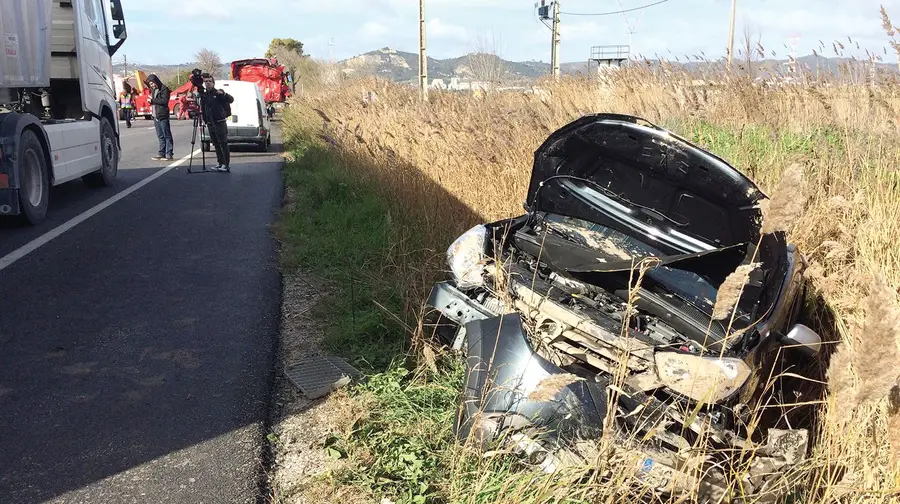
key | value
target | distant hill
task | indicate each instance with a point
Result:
(401, 66)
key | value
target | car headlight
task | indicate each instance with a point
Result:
(703, 379)
(466, 257)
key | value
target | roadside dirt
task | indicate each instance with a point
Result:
(301, 466)
(300, 426)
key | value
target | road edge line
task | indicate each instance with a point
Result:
(8, 260)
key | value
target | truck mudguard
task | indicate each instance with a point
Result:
(11, 126)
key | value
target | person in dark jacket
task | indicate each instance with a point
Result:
(214, 105)
(159, 101)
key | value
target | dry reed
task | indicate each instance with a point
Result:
(730, 291)
(547, 388)
(460, 160)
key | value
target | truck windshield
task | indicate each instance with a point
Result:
(97, 14)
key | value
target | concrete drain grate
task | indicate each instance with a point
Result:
(318, 375)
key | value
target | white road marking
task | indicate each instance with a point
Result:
(45, 238)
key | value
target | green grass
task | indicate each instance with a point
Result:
(338, 230)
(404, 444)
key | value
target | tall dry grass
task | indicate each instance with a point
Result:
(459, 160)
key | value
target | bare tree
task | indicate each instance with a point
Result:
(209, 61)
(752, 48)
(485, 62)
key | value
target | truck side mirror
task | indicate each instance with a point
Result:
(115, 8)
(118, 29)
(804, 339)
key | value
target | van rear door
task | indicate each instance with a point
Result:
(244, 119)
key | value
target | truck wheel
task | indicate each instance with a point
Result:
(109, 155)
(34, 177)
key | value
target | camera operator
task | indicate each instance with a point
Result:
(215, 105)
(159, 99)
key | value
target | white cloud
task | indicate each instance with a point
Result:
(439, 29)
(585, 30)
(205, 10)
(374, 30)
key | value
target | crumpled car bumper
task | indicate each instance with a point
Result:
(504, 369)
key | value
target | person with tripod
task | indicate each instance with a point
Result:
(215, 107)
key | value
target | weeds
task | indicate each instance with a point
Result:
(340, 230)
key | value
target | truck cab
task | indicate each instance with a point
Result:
(57, 99)
(271, 78)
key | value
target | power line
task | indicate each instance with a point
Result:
(612, 13)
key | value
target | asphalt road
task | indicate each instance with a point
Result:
(137, 348)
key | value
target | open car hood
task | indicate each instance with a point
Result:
(627, 174)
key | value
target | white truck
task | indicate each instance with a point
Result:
(57, 99)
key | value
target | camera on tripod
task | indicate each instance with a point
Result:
(196, 79)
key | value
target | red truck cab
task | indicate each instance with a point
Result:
(272, 78)
(183, 101)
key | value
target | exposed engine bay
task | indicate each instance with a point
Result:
(619, 313)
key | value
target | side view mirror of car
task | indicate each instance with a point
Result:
(804, 339)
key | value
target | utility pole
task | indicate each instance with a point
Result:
(423, 58)
(554, 53)
(731, 33)
(125, 65)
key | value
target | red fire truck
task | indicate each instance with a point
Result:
(183, 101)
(140, 94)
(273, 80)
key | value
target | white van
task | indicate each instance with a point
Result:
(248, 123)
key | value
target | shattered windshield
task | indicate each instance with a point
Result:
(685, 284)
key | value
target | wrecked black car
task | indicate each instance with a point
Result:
(611, 280)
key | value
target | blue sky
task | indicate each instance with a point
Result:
(171, 31)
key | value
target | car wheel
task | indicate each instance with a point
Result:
(34, 178)
(205, 146)
(109, 156)
(176, 111)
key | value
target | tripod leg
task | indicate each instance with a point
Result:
(193, 141)
(202, 152)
